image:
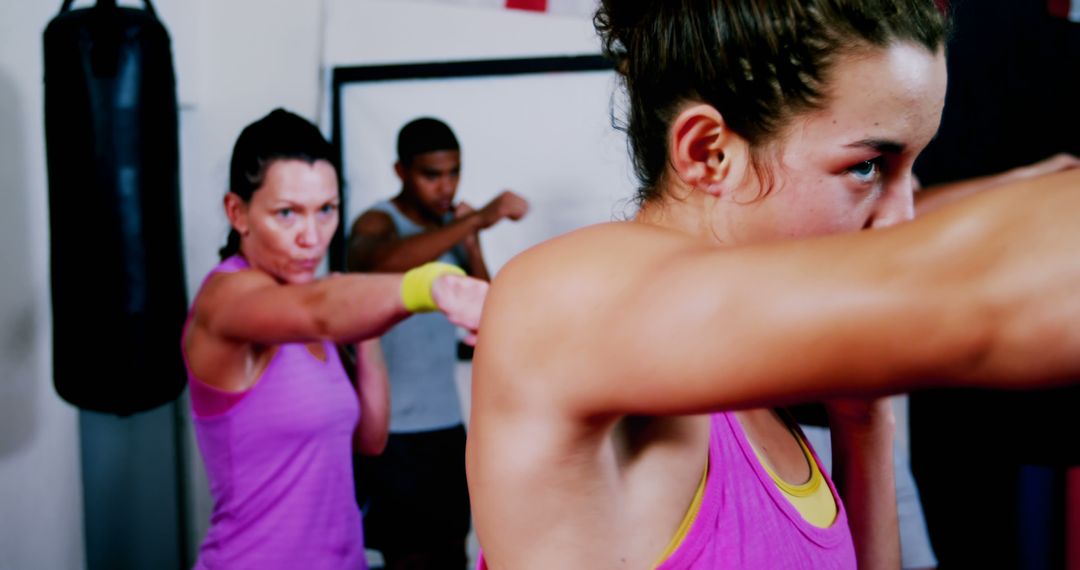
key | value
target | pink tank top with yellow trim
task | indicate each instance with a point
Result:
(744, 521)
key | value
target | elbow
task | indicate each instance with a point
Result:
(372, 434)
(317, 309)
(323, 328)
(374, 448)
(325, 322)
(370, 444)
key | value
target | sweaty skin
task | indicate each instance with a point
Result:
(601, 350)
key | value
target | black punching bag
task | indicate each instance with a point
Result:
(118, 289)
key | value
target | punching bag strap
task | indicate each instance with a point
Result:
(108, 4)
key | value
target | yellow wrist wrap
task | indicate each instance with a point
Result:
(416, 285)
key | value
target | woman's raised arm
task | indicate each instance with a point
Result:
(630, 319)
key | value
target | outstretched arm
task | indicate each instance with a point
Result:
(638, 320)
(250, 307)
(375, 245)
(933, 197)
(238, 315)
(862, 449)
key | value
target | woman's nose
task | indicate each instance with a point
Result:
(309, 233)
(896, 204)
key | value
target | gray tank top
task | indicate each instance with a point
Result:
(421, 354)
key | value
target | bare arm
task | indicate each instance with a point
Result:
(864, 471)
(938, 195)
(250, 307)
(376, 246)
(373, 389)
(642, 321)
(476, 266)
(237, 315)
(862, 435)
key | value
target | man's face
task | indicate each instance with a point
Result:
(432, 179)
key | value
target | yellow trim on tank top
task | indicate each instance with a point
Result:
(813, 499)
(688, 519)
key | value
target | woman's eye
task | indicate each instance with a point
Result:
(285, 212)
(328, 209)
(865, 171)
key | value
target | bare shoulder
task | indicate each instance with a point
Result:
(214, 357)
(211, 308)
(373, 223)
(371, 231)
(226, 289)
(596, 259)
(546, 304)
(563, 277)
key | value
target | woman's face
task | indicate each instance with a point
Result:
(287, 225)
(848, 166)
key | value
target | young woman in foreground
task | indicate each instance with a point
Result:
(624, 383)
(276, 412)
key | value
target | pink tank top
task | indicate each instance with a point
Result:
(279, 463)
(746, 523)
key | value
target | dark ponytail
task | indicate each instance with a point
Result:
(281, 135)
(232, 245)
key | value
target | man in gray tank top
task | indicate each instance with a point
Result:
(417, 498)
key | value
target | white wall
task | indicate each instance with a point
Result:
(546, 136)
(395, 31)
(236, 60)
(252, 56)
(40, 486)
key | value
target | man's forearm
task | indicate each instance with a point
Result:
(404, 254)
(477, 266)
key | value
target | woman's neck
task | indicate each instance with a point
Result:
(689, 212)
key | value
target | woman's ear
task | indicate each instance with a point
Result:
(703, 150)
(236, 210)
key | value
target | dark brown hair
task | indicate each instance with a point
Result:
(759, 62)
(281, 135)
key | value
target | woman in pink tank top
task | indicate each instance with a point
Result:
(625, 382)
(277, 412)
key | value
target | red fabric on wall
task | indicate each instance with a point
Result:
(1059, 8)
(532, 5)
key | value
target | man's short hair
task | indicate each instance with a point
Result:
(423, 135)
